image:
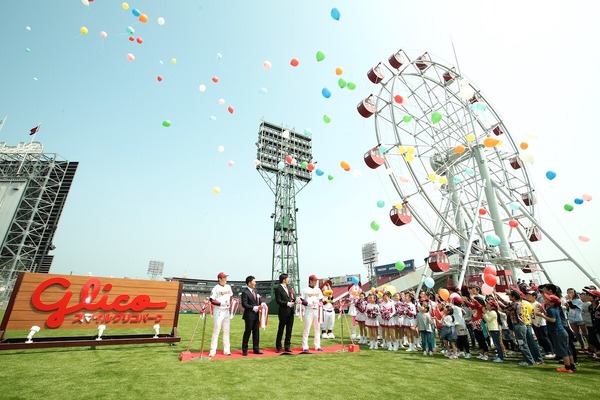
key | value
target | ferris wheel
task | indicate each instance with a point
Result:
(458, 172)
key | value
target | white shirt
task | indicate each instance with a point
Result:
(222, 294)
(313, 296)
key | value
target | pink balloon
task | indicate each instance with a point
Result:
(583, 238)
(586, 197)
(486, 289)
(103, 35)
(130, 57)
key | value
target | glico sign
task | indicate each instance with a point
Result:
(79, 302)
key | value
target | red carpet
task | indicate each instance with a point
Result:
(189, 356)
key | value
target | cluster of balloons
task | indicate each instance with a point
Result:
(578, 200)
(490, 280)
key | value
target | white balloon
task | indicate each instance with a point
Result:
(201, 88)
(263, 90)
(221, 149)
(161, 21)
(27, 28)
(231, 163)
(219, 56)
(213, 118)
(85, 2)
(221, 101)
(285, 134)
(267, 65)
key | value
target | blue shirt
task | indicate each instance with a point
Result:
(554, 312)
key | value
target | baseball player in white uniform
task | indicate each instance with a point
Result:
(312, 299)
(220, 298)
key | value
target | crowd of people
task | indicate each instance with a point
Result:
(539, 322)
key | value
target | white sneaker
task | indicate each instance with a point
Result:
(485, 358)
(550, 356)
(324, 335)
(480, 356)
(461, 353)
(425, 353)
(430, 352)
(211, 355)
(331, 335)
(468, 355)
(395, 346)
(376, 345)
(371, 345)
(353, 336)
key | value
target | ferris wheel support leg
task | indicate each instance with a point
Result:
(530, 218)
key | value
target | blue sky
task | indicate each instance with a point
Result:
(145, 192)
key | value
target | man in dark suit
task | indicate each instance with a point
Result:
(250, 302)
(284, 296)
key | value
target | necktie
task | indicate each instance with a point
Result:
(254, 294)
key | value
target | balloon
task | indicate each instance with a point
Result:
(330, 177)
(303, 164)
(221, 148)
(125, 6)
(469, 171)
(568, 207)
(202, 88)
(578, 201)
(267, 65)
(355, 280)
(550, 175)
(409, 158)
(130, 30)
(398, 99)
(470, 137)
(230, 109)
(432, 176)
(400, 265)
(256, 162)
(486, 289)
(159, 78)
(136, 12)
(482, 211)
(143, 18)
(436, 117)
(380, 203)
(221, 101)
(84, 30)
(310, 167)
(345, 166)
(335, 14)
(339, 71)
(351, 85)
(490, 279)
(513, 223)
(214, 79)
(216, 190)
(454, 295)
(288, 159)
(398, 206)
(319, 172)
(263, 90)
(583, 238)
(131, 38)
(586, 197)
(27, 50)
(491, 142)
(457, 179)
(219, 56)
(27, 28)
(139, 40)
(429, 282)
(374, 225)
(492, 239)
(161, 21)
(230, 164)
(524, 145)
(294, 62)
(85, 2)
(444, 293)
(103, 35)
(403, 179)
(514, 206)
(166, 123)
(406, 118)
(173, 60)
(382, 149)
(320, 56)
(342, 83)
(280, 165)
(326, 93)
(326, 119)
(489, 270)
(459, 149)
(130, 57)
(285, 134)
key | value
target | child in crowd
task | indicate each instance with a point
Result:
(424, 324)
(371, 321)
(493, 322)
(557, 333)
(574, 311)
(586, 314)
(508, 339)
(462, 334)
(477, 305)
(448, 334)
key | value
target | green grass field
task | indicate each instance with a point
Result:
(155, 372)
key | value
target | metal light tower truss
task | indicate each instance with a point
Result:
(33, 190)
(369, 255)
(155, 269)
(283, 156)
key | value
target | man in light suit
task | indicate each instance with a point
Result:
(284, 296)
(250, 302)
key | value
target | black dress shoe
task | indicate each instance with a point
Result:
(288, 350)
(258, 352)
(244, 353)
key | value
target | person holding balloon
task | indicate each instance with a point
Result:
(476, 304)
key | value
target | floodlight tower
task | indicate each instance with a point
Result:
(284, 160)
(155, 269)
(369, 255)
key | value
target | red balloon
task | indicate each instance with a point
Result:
(310, 167)
(131, 38)
(294, 62)
(482, 211)
(513, 223)
(139, 40)
(398, 99)
(489, 270)
(215, 79)
(230, 109)
(159, 78)
(490, 279)
(288, 159)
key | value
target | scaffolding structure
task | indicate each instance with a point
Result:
(283, 157)
(33, 190)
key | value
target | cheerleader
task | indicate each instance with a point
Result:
(361, 306)
(371, 321)
(409, 323)
(387, 312)
(398, 319)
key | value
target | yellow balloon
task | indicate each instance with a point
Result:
(84, 30)
(409, 158)
(432, 176)
(216, 190)
(125, 6)
(470, 137)
(401, 149)
(443, 180)
(398, 206)
(410, 150)
(392, 290)
(174, 60)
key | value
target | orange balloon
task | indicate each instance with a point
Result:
(345, 166)
(339, 71)
(490, 142)
(459, 149)
(444, 294)
(143, 18)
(523, 145)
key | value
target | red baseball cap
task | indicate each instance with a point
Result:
(313, 278)
(553, 299)
(595, 293)
(222, 275)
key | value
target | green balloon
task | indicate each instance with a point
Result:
(407, 118)
(374, 226)
(568, 207)
(342, 83)
(166, 123)
(436, 117)
(400, 265)
(330, 177)
(304, 164)
(326, 119)
(351, 85)
(320, 55)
